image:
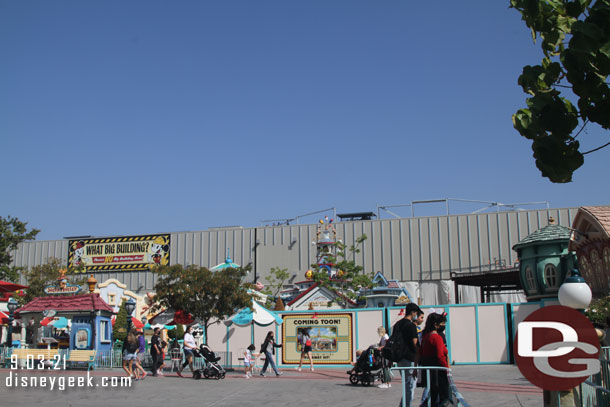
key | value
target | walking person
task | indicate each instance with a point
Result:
(249, 360)
(434, 353)
(139, 362)
(130, 347)
(305, 349)
(409, 354)
(155, 351)
(268, 348)
(188, 347)
(162, 360)
(387, 375)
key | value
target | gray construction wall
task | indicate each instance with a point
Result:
(406, 249)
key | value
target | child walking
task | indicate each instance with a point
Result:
(249, 360)
(163, 349)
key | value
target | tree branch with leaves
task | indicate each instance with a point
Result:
(275, 283)
(350, 277)
(39, 277)
(12, 232)
(576, 46)
(210, 297)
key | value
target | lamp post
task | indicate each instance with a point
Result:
(573, 293)
(129, 307)
(12, 307)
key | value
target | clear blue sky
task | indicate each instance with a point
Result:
(132, 117)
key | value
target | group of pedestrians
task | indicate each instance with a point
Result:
(268, 349)
(428, 348)
(425, 348)
(134, 352)
(134, 348)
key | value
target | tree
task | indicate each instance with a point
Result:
(350, 276)
(177, 333)
(599, 310)
(580, 65)
(47, 274)
(12, 232)
(209, 297)
(275, 283)
(119, 329)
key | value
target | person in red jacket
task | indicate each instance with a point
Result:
(434, 353)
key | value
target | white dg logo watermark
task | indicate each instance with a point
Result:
(556, 349)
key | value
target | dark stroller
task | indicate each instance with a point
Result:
(211, 367)
(368, 367)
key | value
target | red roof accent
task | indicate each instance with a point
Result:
(393, 284)
(314, 286)
(303, 293)
(83, 302)
(3, 318)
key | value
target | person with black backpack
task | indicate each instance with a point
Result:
(268, 349)
(403, 348)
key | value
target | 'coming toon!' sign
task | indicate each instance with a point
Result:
(331, 338)
(124, 253)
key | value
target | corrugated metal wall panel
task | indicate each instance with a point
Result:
(454, 242)
(375, 240)
(394, 245)
(405, 246)
(408, 249)
(434, 249)
(445, 248)
(494, 239)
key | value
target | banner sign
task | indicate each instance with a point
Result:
(129, 253)
(331, 338)
(66, 289)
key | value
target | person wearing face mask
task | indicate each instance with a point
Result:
(409, 356)
(434, 353)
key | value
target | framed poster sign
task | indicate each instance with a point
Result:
(330, 334)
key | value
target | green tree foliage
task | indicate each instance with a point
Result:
(119, 329)
(352, 277)
(177, 333)
(599, 310)
(275, 282)
(209, 297)
(576, 45)
(45, 275)
(12, 232)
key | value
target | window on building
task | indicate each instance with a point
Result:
(585, 268)
(550, 276)
(529, 278)
(111, 299)
(606, 254)
(598, 270)
(104, 332)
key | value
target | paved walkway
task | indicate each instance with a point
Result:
(498, 385)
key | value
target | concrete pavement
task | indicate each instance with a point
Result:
(497, 385)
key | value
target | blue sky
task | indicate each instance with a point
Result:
(156, 116)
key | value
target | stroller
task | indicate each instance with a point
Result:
(211, 367)
(368, 367)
